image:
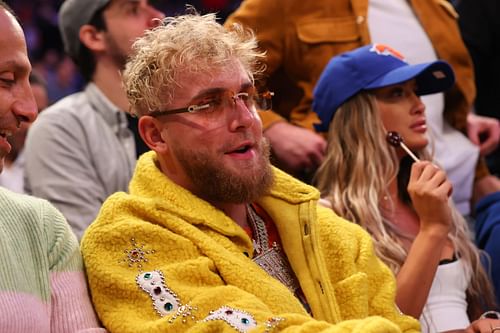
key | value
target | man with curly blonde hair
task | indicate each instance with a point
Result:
(210, 236)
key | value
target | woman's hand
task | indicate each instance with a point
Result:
(484, 325)
(429, 190)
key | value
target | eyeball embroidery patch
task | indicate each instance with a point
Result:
(237, 319)
(165, 301)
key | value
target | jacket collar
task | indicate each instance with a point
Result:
(149, 183)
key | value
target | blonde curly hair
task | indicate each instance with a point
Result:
(190, 43)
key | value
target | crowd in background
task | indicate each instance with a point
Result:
(45, 48)
(81, 153)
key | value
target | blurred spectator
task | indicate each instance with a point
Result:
(63, 79)
(480, 28)
(40, 23)
(13, 172)
(301, 36)
(60, 73)
(81, 149)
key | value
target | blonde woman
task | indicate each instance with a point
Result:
(403, 203)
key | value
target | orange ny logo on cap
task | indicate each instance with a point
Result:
(386, 50)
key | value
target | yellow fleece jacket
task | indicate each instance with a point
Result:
(161, 259)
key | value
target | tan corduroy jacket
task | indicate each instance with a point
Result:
(300, 37)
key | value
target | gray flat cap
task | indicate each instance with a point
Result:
(72, 16)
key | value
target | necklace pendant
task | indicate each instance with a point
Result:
(270, 258)
(256, 246)
(274, 262)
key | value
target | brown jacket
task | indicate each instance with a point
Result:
(300, 37)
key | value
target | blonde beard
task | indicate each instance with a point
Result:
(216, 183)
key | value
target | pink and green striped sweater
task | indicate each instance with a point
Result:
(42, 284)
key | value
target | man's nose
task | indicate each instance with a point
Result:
(242, 115)
(24, 106)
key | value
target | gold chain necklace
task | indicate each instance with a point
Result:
(260, 237)
(271, 259)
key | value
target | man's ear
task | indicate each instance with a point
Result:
(150, 131)
(92, 38)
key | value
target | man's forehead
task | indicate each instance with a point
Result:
(231, 76)
(13, 52)
(9, 22)
(215, 87)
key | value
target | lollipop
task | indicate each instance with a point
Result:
(395, 139)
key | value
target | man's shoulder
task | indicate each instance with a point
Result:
(25, 209)
(19, 201)
(73, 115)
(74, 106)
(117, 217)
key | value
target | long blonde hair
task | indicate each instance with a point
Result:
(358, 167)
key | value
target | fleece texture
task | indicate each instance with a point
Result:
(205, 260)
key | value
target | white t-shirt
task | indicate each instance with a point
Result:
(391, 22)
(446, 307)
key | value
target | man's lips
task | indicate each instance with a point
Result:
(243, 151)
(241, 148)
(6, 132)
(4, 144)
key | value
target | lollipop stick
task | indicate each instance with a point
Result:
(409, 152)
(395, 139)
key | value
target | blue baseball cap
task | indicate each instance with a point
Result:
(369, 67)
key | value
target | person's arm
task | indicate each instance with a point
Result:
(429, 190)
(60, 168)
(483, 326)
(71, 309)
(483, 132)
(298, 148)
(369, 274)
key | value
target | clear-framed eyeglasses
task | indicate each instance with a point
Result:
(218, 101)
